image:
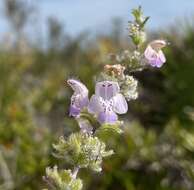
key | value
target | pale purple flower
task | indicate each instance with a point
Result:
(84, 125)
(79, 99)
(153, 53)
(107, 102)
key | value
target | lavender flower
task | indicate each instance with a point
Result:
(153, 53)
(85, 125)
(107, 101)
(79, 99)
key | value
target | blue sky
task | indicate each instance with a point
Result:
(96, 15)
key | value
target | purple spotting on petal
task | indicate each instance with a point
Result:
(107, 117)
(112, 89)
(107, 89)
(74, 111)
(107, 101)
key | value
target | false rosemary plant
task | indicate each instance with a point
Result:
(114, 87)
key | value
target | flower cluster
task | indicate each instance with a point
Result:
(82, 150)
(136, 27)
(62, 180)
(105, 104)
(113, 88)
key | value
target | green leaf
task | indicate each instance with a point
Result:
(144, 22)
(137, 13)
(110, 128)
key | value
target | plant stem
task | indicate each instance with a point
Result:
(75, 172)
(8, 184)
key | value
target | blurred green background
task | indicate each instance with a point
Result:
(156, 152)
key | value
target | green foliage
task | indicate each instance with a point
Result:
(110, 128)
(82, 151)
(139, 16)
(136, 28)
(150, 160)
(62, 180)
(156, 152)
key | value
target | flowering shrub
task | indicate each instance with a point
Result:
(114, 87)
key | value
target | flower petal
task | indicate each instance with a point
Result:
(78, 87)
(84, 125)
(95, 105)
(149, 52)
(79, 101)
(158, 44)
(84, 102)
(120, 104)
(107, 89)
(74, 111)
(107, 117)
(154, 58)
(162, 56)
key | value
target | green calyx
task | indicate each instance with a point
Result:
(82, 150)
